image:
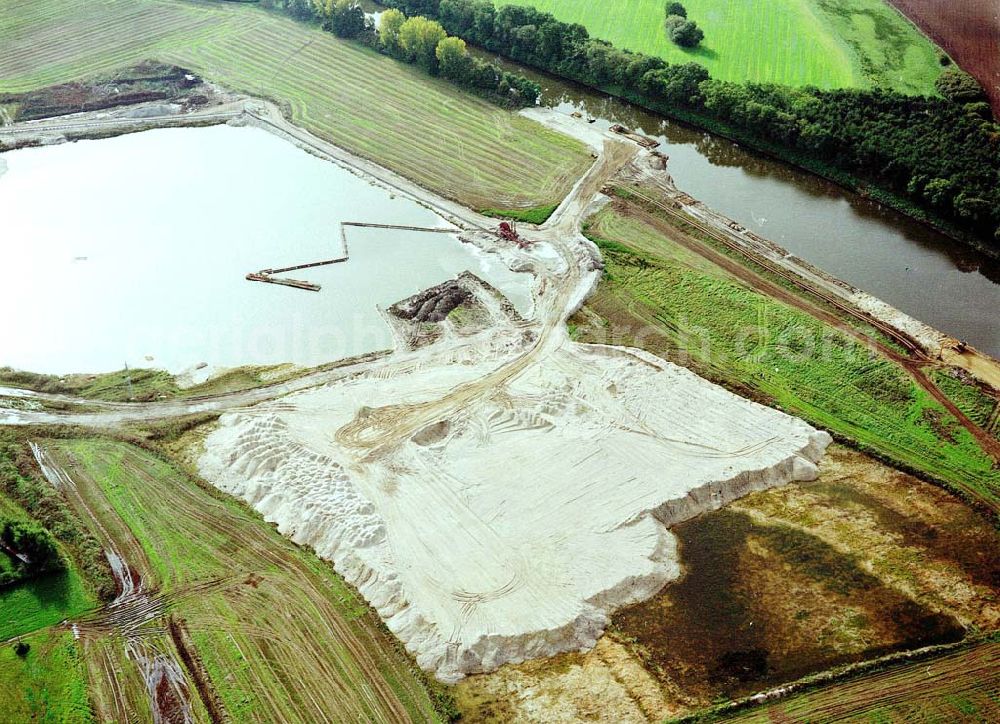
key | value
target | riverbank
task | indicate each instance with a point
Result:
(908, 331)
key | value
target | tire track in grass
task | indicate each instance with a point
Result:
(308, 660)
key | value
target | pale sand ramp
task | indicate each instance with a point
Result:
(512, 525)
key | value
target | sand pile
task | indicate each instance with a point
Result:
(506, 521)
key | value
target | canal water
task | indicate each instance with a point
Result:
(901, 261)
(134, 250)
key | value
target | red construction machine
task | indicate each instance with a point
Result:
(508, 232)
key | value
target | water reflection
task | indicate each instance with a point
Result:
(914, 268)
(143, 260)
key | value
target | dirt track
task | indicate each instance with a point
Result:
(914, 362)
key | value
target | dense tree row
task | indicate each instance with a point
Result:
(942, 154)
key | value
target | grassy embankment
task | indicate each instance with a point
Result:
(279, 635)
(825, 43)
(423, 128)
(143, 385)
(662, 297)
(960, 686)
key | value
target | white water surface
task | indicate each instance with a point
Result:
(134, 250)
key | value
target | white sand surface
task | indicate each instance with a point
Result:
(510, 526)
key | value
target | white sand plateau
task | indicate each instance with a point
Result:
(495, 495)
(489, 521)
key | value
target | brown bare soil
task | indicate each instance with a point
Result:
(783, 583)
(147, 81)
(789, 582)
(969, 30)
(605, 684)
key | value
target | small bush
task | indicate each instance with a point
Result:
(959, 87)
(22, 649)
(684, 32)
(674, 8)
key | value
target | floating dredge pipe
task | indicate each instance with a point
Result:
(297, 283)
(266, 275)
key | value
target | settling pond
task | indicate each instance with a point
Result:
(910, 266)
(134, 249)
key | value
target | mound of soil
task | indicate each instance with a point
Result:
(432, 305)
(148, 81)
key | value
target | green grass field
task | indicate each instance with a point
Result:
(826, 43)
(281, 636)
(663, 298)
(421, 127)
(41, 602)
(46, 685)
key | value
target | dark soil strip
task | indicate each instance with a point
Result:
(216, 710)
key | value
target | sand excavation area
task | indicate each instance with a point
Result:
(494, 494)
(492, 488)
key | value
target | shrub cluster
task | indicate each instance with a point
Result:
(31, 548)
(958, 86)
(682, 31)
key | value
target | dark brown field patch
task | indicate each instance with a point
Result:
(969, 30)
(789, 582)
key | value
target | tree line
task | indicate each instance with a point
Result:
(941, 155)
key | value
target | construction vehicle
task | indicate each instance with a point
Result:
(508, 232)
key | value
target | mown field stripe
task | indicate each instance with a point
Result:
(793, 42)
(421, 127)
